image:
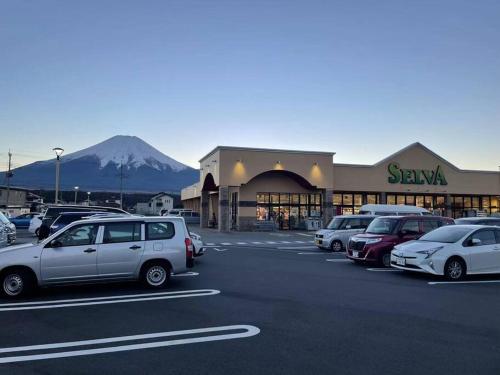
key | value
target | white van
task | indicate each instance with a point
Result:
(392, 209)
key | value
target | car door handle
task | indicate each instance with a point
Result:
(135, 247)
(90, 251)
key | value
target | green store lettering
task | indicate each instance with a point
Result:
(415, 176)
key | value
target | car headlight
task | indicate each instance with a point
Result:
(430, 252)
(373, 240)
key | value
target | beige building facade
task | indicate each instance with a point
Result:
(244, 188)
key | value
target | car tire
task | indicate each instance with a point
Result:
(336, 246)
(385, 260)
(17, 283)
(155, 275)
(455, 269)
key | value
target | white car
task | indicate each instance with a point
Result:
(198, 246)
(148, 249)
(453, 251)
(35, 223)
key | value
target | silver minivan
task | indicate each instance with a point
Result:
(336, 234)
(148, 249)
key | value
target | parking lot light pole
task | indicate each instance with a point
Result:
(76, 193)
(59, 151)
(88, 198)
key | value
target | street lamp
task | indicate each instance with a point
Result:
(59, 151)
(76, 193)
(88, 198)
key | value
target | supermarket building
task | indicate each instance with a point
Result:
(244, 188)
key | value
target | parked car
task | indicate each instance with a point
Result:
(66, 218)
(3, 235)
(23, 220)
(177, 211)
(454, 252)
(392, 209)
(54, 211)
(383, 233)
(11, 229)
(338, 231)
(479, 221)
(148, 249)
(198, 248)
(35, 224)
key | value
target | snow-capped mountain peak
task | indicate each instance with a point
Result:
(129, 150)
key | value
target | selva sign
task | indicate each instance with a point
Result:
(399, 175)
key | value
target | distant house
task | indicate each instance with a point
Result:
(157, 205)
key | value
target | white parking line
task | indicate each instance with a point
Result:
(210, 244)
(248, 331)
(186, 274)
(271, 242)
(383, 270)
(306, 235)
(297, 247)
(226, 243)
(54, 304)
(338, 260)
(257, 243)
(312, 253)
(241, 243)
(219, 250)
(285, 241)
(464, 282)
(299, 241)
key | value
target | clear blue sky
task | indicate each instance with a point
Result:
(361, 78)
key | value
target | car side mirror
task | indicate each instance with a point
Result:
(475, 242)
(55, 243)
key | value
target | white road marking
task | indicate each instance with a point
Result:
(285, 241)
(383, 270)
(338, 260)
(464, 282)
(299, 241)
(257, 243)
(298, 247)
(249, 331)
(312, 253)
(271, 242)
(219, 250)
(226, 243)
(186, 274)
(306, 235)
(54, 304)
(241, 243)
(210, 244)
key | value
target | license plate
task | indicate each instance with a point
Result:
(355, 254)
(401, 261)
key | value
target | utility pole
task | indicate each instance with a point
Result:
(121, 185)
(9, 175)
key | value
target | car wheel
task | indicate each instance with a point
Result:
(156, 275)
(386, 260)
(336, 246)
(17, 283)
(455, 269)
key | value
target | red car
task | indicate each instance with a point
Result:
(383, 233)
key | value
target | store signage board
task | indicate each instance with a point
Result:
(398, 175)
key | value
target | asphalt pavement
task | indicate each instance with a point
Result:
(279, 308)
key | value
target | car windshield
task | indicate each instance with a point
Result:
(382, 225)
(4, 219)
(447, 234)
(335, 223)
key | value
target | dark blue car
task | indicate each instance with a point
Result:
(66, 218)
(24, 220)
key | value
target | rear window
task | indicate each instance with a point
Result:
(160, 231)
(122, 232)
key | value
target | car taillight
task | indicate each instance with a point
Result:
(189, 248)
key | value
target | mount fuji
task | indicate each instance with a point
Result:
(99, 167)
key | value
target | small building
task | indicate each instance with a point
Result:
(157, 205)
(240, 187)
(16, 196)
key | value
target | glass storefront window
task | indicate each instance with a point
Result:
(295, 199)
(400, 199)
(303, 199)
(347, 199)
(337, 199)
(263, 198)
(485, 201)
(428, 202)
(358, 199)
(391, 199)
(458, 202)
(440, 202)
(372, 199)
(467, 202)
(410, 200)
(475, 203)
(419, 201)
(284, 198)
(275, 198)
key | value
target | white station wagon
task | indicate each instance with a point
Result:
(107, 249)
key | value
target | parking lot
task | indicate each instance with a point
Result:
(260, 303)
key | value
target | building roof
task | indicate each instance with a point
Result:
(233, 148)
